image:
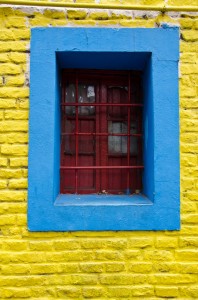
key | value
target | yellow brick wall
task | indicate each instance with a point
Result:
(92, 265)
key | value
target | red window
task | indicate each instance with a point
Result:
(101, 138)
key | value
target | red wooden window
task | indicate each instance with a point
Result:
(101, 138)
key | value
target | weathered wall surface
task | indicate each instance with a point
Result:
(96, 265)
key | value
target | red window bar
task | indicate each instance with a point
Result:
(101, 143)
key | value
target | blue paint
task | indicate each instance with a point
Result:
(156, 53)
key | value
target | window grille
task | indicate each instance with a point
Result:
(101, 132)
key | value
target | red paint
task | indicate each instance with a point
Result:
(99, 146)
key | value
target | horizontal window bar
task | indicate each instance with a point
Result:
(101, 104)
(101, 134)
(99, 167)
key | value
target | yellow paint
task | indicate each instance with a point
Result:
(91, 265)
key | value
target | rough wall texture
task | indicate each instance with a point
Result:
(96, 265)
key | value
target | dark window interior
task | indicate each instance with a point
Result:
(101, 132)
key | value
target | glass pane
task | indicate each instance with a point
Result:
(86, 95)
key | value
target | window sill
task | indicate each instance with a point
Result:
(101, 200)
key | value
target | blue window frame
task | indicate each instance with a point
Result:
(155, 52)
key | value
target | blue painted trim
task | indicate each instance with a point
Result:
(156, 53)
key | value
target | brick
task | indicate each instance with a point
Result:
(190, 58)
(171, 279)
(189, 160)
(99, 16)
(65, 244)
(92, 267)
(140, 267)
(18, 57)
(188, 242)
(190, 35)
(12, 138)
(3, 184)
(108, 255)
(14, 245)
(93, 292)
(7, 219)
(113, 267)
(68, 292)
(84, 279)
(19, 162)
(8, 103)
(14, 21)
(186, 255)
(188, 69)
(140, 242)
(15, 269)
(76, 15)
(189, 292)
(14, 92)
(19, 46)
(16, 115)
(190, 218)
(13, 195)
(3, 161)
(158, 255)
(10, 69)
(41, 245)
(15, 80)
(122, 279)
(53, 14)
(13, 126)
(16, 150)
(167, 242)
(39, 20)
(166, 292)
(186, 23)
(188, 268)
(18, 184)
(4, 57)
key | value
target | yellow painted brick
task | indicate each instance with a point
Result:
(16, 115)
(1, 115)
(15, 21)
(12, 138)
(15, 80)
(190, 35)
(186, 255)
(92, 267)
(188, 138)
(9, 173)
(15, 245)
(9, 68)
(165, 267)
(13, 195)
(17, 183)
(158, 255)
(166, 292)
(140, 242)
(114, 267)
(39, 20)
(166, 242)
(66, 244)
(93, 292)
(188, 241)
(130, 254)
(189, 292)
(18, 57)
(108, 255)
(189, 103)
(16, 292)
(19, 162)
(8, 103)
(68, 292)
(190, 58)
(186, 23)
(16, 150)
(76, 14)
(163, 18)
(54, 14)
(18, 125)
(88, 22)
(188, 46)
(3, 184)
(7, 219)
(91, 244)
(122, 279)
(188, 268)
(24, 103)
(99, 16)
(3, 162)
(19, 46)
(189, 69)
(14, 92)
(188, 206)
(190, 218)
(4, 57)
(13, 208)
(59, 22)
(41, 245)
(172, 279)
(14, 34)
(186, 91)
(15, 269)
(137, 23)
(140, 267)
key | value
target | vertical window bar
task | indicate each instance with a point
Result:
(76, 136)
(128, 131)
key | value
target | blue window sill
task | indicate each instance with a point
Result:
(101, 200)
